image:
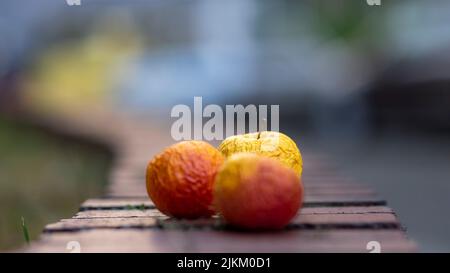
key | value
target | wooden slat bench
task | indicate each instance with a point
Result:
(338, 215)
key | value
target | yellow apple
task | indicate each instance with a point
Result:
(270, 144)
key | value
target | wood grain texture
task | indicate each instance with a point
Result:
(156, 240)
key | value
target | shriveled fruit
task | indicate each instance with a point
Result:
(271, 144)
(256, 192)
(180, 179)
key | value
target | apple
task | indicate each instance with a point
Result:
(268, 143)
(257, 192)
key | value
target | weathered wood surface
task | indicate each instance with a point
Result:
(339, 215)
(172, 240)
(153, 218)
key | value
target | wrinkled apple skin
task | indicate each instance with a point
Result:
(256, 192)
(270, 144)
(180, 179)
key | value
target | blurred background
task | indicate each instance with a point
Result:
(367, 85)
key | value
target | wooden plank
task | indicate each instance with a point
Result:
(346, 221)
(297, 241)
(109, 204)
(155, 240)
(331, 201)
(139, 203)
(309, 218)
(146, 203)
(339, 192)
(302, 222)
(347, 210)
(122, 194)
(335, 186)
(70, 225)
(103, 241)
(89, 214)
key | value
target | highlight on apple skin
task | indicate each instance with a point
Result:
(257, 192)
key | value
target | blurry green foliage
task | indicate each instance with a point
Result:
(349, 21)
(43, 177)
